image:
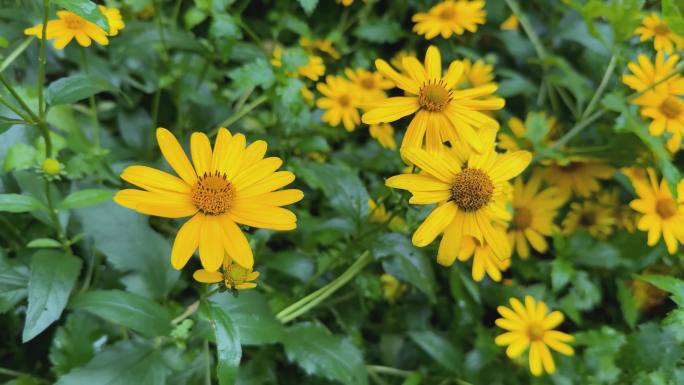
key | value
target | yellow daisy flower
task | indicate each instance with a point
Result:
(450, 17)
(114, 20)
(475, 74)
(234, 276)
(371, 84)
(340, 100)
(533, 215)
(660, 212)
(664, 39)
(442, 111)
(666, 112)
(484, 259)
(645, 73)
(397, 60)
(518, 140)
(532, 326)
(392, 288)
(591, 217)
(66, 28)
(469, 197)
(510, 24)
(577, 175)
(384, 133)
(220, 189)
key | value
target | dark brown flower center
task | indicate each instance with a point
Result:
(213, 194)
(447, 14)
(671, 107)
(666, 208)
(587, 219)
(73, 22)
(570, 167)
(522, 218)
(535, 331)
(344, 100)
(368, 82)
(661, 29)
(434, 96)
(472, 189)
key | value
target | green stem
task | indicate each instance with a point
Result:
(577, 128)
(14, 109)
(155, 107)
(93, 104)
(574, 110)
(388, 370)
(250, 32)
(307, 303)
(527, 27)
(602, 86)
(42, 62)
(238, 115)
(14, 373)
(15, 54)
(18, 98)
(207, 366)
(55, 220)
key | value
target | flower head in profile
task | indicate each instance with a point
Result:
(229, 185)
(592, 217)
(67, 27)
(470, 196)
(384, 134)
(340, 101)
(661, 213)
(450, 18)
(114, 20)
(664, 39)
(578, 175)
(531, 327)
(534, 210)
(442, 112)
(644, 73)
(484, 259)
(372, 85)
(233, 276)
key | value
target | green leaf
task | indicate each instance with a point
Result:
(627, 304)
(124, 363)
(561, 273)
(228, 349)
(53, 276)
(379, 31)
(86, 9)
(308, 5)
(21, 156)
(537, 128)
(324, 354)
(73, 343)
(73, 88)
(130, 310)
(293, 58)
(258, 73)
(47, 243)
(406, 262)
(13, 284)
(16, 203)
(667, 283)
(438, 348)
(650, 348)
(83, 198)
(252, 317)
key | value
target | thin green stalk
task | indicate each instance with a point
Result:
(577, 128)
(14, 109)
(527, 27)
(207, 366)
(602, 86)
(568, 102)
(307, 303)
(18, 98)
(55, 220)
(155, 107)
(250, 32)
(160, 26)
(42, 62)
(15, 54)
(238, 115)
(388, 370)
(93, 104)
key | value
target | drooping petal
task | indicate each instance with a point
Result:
(207, 276)
(235, 243)
(187, 241)
(211, 243)
(434, 224)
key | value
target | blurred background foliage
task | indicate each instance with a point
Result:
(94, 300)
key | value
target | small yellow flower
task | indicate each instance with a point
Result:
(384, 133)
(591, 217)
(484, 259)
(66, 28)
(450, 17)
(645, 74)
(578, 175)
(660, 212)
(392, 288)
(229, 185)
(114, 20)
(510, 24)
(532, 326)
(476, 74)
(346, 3)
(234, 276)
(372, 85)
(664, 39)
(341, 102)
(533, 215)
(51, 166)
(666, 112)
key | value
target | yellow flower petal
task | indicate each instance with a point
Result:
(175, 156)
(200, 149)
(434, 224)
(211, 243)
(235, 243)
(187, 241)
(207, 276)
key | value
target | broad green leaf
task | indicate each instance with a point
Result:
(53, 276)
(83, 198)
(16, 203)
(255, 74)
(13, 284)
(537, 128)
(324, 354)
(561, 273)
(627, 304)
(438, 348)
(228, 349)
(650, 348)
(124, 363)
(379, 31)
(73, 343)
(293, 58)
(672, 285)
(21, 156)
(86, 9)
(406, 262)
(130, 310)
(39, 243)
(252, 317)
(73, 88)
